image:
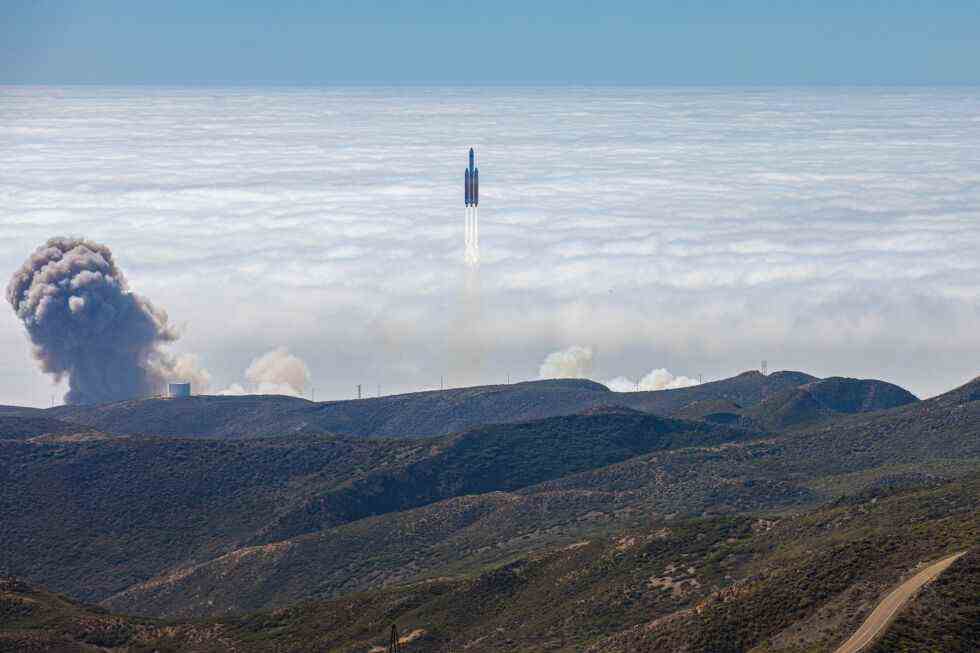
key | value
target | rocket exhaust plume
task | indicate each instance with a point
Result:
(466, 341)
(471, 239)
(86, 324)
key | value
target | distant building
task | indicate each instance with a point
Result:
(179, 390)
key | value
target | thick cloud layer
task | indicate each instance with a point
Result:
(699, 230)
(85, 323)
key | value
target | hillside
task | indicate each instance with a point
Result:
(17, 427)
(707, 585)
(944, 616)
(418, 414)
(503, 457)
(210, 527)
(746, 389)
(73, 509)
(143, 505)
(199, 416)
(874, 452)
(822, 400)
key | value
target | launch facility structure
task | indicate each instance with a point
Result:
(471, 200)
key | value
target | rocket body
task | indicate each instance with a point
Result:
(471, 197)
(471, 182)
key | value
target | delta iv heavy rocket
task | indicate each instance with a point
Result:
(471, 196)
(471, 183)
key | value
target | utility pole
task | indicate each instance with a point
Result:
(358, 390)
(441, 384)
(700, 379)
(393, 641)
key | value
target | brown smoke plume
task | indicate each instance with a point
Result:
(85, 323)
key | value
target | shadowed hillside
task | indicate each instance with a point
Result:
(197, 527)
(944, 616)
(71, 510)
(142, 505)
(708, 585)
(825, 399)
(17, 427)
(873, 452)
(746, 389)
(419, 414)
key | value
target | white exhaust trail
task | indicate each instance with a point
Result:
(471, 236)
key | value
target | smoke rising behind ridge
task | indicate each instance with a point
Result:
(85, 324)
(573, 362)
(276, 372)
(577, 362)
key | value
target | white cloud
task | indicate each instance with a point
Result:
(828, 230)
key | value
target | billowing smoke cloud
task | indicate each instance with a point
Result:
(86, 324)
(274, 373)
(659, 379)
(575, 362)
(187, 367)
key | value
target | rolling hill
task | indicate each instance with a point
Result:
(18, 427)
(824, 399)
(414, 528)
(874, 451)
(142, 505)
(421, 414)
(704, 585)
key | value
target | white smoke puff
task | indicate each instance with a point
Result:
(658, 379)
(575, 362)
(187, 368)
(279, 371)
(621, 384)
(86, 324)
(234, 390)
(276, 372)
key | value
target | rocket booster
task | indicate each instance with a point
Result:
(471, 183)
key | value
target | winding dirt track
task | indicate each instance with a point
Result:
(882, 616)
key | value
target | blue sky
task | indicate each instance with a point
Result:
(500, 42)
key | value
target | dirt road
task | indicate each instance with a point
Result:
(885, 612)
